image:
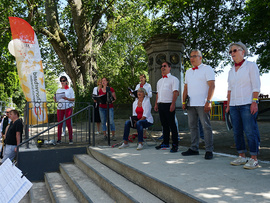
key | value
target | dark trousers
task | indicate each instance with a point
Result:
(167, 119)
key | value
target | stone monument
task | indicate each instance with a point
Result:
(160, 48)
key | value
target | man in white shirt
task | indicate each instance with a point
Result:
(199, 86)
(167, 93)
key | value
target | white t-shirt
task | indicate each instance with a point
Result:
(65, 104)
(166, 87)
(197, 86)
(243, 83)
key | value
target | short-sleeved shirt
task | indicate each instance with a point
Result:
(166, 87)
(65, 104)
(104, 106)
(197, 86)
(15, 127)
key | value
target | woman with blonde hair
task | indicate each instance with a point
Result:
(142, 110)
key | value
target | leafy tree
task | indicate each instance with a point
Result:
(9, 80)
(77, 31)
(256, 31)
(205, 25)
(123, 58)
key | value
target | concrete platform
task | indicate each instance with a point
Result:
(209, 180)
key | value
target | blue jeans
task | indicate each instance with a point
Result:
(140, 125)
(244, 121)
(103, 118)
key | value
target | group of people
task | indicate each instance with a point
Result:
(243, 91)
(101, 108)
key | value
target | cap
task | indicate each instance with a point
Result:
(240, 44)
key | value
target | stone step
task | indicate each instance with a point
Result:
(82, 186)
(118, 187)
(39, 193)
(58, 189)
(160, 189)
(25, 199)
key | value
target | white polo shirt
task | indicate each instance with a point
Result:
(243, 83)
(197, 86)
(166, 87)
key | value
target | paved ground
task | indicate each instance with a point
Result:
(223, 139)
(209, 180)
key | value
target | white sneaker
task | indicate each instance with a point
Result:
(239, 161)
(251, 164)
(123, 146)
(97, 133)
(140, 147)
(63, 134)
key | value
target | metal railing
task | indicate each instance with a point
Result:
(45, 126)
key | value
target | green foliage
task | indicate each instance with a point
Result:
(205, 25)
(123, 58)
(256, 31)
(51, 84)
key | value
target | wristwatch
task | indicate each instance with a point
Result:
(208, 101)
(256, 101)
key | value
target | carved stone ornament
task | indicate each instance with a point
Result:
(160, 58)
(174, 58)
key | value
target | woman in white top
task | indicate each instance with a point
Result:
(65, 107)
(96, 105)
(145, 85)
(141, 109)
(243, 92)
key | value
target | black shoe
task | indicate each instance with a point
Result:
(208, 155)
(190, 152)
(70, 141)
(58, 142)
(162, 146)
(174, 148)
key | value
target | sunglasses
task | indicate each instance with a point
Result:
(194, 56)
(235, 50)
(164, 66)
(62, 80)
(7, 111)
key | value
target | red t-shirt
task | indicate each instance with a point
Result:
(104, 106)
(139, 112)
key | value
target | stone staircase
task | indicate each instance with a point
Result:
(95, 177)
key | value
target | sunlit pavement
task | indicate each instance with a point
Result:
(209, 180)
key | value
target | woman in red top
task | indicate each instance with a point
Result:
(141, 109)
(103, 109)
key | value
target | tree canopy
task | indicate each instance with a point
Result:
(256, 31)
(205, 25)
(92, 39)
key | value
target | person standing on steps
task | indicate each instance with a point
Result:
(167, 93)
(199, 86)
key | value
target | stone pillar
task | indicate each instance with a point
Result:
(160, 48)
